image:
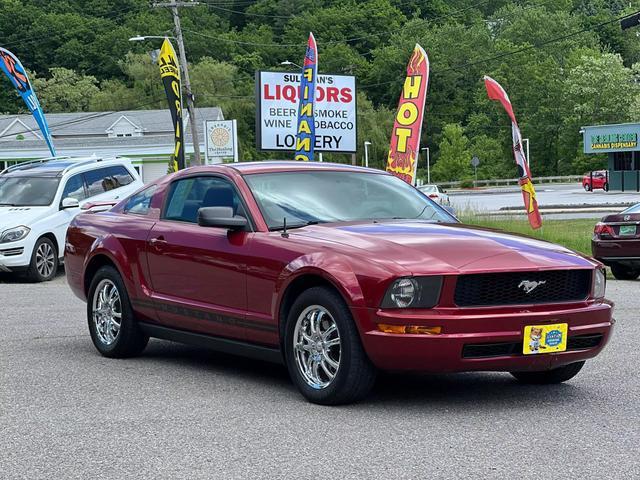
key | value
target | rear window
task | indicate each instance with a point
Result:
(634, 209)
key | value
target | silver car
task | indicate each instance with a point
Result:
(435, 193)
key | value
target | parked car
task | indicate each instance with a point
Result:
(435, 193)
(596, 179)
(338, 272)
(616, 243)
(38, 199)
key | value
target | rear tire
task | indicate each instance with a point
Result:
(548, 377)
(44, 261)
(112, 324)
(605, 187)
(620, 272)
(323, 352)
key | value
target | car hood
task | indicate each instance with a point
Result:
(421, 247)
(15, 216)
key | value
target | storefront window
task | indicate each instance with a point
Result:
(623, 161)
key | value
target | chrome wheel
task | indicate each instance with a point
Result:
(316, 346)
(45, 260)
(107, 311)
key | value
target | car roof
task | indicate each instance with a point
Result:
(248, 168)
(56, 167)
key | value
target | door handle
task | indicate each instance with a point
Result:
(156, 241)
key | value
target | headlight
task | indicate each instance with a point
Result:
(599, 283)
(14, 234)
(414, 292)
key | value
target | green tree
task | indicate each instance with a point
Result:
(65, 91)
(454, 159)
(596, 85)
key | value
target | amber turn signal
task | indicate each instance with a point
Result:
(409, 329)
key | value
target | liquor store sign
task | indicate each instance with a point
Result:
(277, 112)
(611, 138)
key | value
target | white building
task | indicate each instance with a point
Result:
(145, 136)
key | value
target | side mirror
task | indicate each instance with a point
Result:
(69, 202)
(221, 217)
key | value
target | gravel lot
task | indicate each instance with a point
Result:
(185, 412)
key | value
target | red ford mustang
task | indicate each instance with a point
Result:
(336, 271)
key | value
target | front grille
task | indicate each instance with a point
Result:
(481, 350)
(510, 288)
(504, 349)
(12, 252)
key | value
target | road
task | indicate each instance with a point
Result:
(185, 412)
(547, 195)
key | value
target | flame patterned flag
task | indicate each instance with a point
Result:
(170, 75)
(12, 67)
(306, 133)
(496, 92)
(402, 160)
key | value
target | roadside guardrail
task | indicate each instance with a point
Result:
(514, 181)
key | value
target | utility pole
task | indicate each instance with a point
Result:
(185, 70)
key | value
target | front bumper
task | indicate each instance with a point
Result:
(14, 256)
(611, 252)
(481, 339)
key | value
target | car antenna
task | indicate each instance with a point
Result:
(284, 228)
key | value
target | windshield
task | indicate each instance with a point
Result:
(27, 191)
(429, 189)
(320, 197)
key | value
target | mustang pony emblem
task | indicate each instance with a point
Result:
(529, 285)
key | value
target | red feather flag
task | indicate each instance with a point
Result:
(496, 92)
(402, 160)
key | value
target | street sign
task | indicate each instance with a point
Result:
(475, 161)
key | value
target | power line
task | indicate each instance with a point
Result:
(114, 16)
(84, 119)
(513, 52)
(332, 42)
(515, 14)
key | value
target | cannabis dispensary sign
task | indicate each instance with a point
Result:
(614, 141)
(611, 138)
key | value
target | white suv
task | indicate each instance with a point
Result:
(38, 199)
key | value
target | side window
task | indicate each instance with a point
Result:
(188, 195)
(119, 175)
(139, 203)
(96, 181)
(74, 188)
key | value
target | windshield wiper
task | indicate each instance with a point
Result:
(295, 225)
(8, 205)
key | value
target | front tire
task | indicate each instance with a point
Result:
(112, 324)
(548, 377)
(587, 187)
(620, 272)
(44, 261)
(323, 352)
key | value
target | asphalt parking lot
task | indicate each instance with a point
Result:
(185, 412)
(548, 195)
